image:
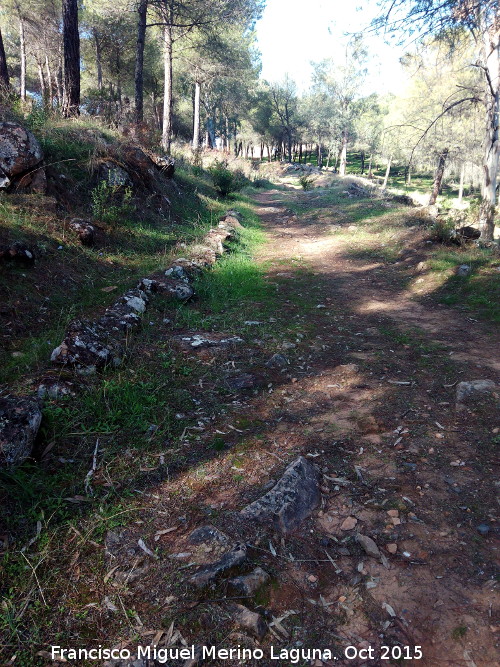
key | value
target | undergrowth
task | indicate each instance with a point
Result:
(124, 417)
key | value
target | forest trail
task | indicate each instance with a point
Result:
(382, 375)
(346, 358)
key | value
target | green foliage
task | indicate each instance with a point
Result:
(262, 184)
(37, 118)
(441, 231)
(109, 204)
(226, 181)
(307, 182)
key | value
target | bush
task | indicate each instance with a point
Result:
(442, 230)
(307, 182)
(262, 183)
(110, 204)
(225, 180)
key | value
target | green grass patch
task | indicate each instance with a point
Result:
(479, 292)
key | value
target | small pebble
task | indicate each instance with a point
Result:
(483, 529)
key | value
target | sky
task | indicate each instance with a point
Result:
(292, 33)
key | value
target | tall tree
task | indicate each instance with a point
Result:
(448, 20)
(179, 18)
(4, 72)
(284, 97)
(342, 83)
(142, 10)
(71, 43)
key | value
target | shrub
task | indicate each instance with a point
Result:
(307, 182)
(442, 230)
(262, 183)
(225, 180)
(109, 204)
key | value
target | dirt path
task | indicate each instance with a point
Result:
(388, 389)
(364, 388)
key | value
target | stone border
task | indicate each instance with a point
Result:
(90, 346)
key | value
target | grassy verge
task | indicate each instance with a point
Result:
(67, 278)
(371, 231)
(138, 419)
(477, 293)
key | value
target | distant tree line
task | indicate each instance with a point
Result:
(189, 69)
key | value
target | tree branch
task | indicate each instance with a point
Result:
(448, 108)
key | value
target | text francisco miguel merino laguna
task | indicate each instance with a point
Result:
(162, 655)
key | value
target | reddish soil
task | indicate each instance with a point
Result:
(369, 397)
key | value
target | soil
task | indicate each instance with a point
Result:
(368, 396)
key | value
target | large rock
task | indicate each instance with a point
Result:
(291, 500)
(247, 585)
(83, 229)
(197, 340)
(466, 234)
(244, 381)
(20, 152)
(427, 214)
(464, 270)
(17, 252)
(248, 620)
(177, 272)
(165, 164)
(115, 175)
(89, 346)
(179, 290)
(202, 255)
(217, 551)
(215, 240)
(403, 199)
(86, 347)
(20, 419)
(208, 574)
(474, 393)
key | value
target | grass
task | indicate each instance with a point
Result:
(144, 416)
(131, 413)
(479, 292)
(381, 234)
(69, 279)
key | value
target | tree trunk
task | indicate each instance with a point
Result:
(328, 158)
(71, 42)
(387, 172)
(438, 178)
(22, 49)
(319, 156)
(50, 90)
(362, 162)
(142, 11)
(408, 175)
(370, 174)
(196, 116)
(41, 76)
(228, 137)
(98, 61)
(343, 155)
(490, 56)
(59, 84)
(167, 96)
(4, 73)
(461, 186)
(289, 145)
